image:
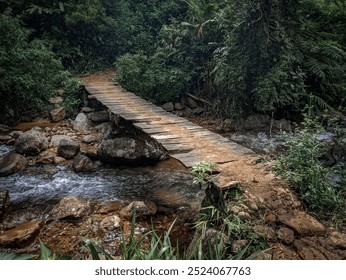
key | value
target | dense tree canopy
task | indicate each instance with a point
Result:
(271, 56)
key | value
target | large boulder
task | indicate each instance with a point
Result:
(82, 123)
(11, 163)
(31, 143)
(70, 208)
(68, 148)
(129, 150)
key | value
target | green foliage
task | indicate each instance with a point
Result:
(96, 250)
(28, 74)
(302, 167)
(151, 78)
(4, 256)
(46, 253)
(203, 172)
(73, 100)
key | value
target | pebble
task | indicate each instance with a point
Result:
(235, 209)
(244, 215)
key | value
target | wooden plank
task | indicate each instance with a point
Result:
(173, 141)
(156, 130)
(161, 136)
(176, 148)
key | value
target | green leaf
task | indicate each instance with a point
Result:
(61, 6)
(14, 256)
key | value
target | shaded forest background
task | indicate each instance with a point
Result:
(268, 56)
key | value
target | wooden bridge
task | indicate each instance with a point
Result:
(183, 140)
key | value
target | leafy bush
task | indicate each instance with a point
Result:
(29, 73)
(302, 167)
(151, 78)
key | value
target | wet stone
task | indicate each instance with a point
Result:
(70, 208)
(110, 223)
(31, 143)
(82, 163)
(68, 148)
(11, 163)
(89, 139)
(143, 209)
(20, 235)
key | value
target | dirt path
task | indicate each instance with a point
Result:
(273, 208)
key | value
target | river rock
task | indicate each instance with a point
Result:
(46, 159)
(11, 163)
(187, 113)
(169, 106)
(31, 143)
(55, 140)
(5, 138)
(89, 139)
(82, 123)
(68, 148)
(104, 128)
(110, 223)
(82, 163)
(129, 150)
(286, 235)
(58, 114)
(4, 198)
(302, 223)
(20, 235)
(143, 209)
(179, 106)
(59, 160)
(16, 133)
(70, 208)
(99, 116)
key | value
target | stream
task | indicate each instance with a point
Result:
(40, 187)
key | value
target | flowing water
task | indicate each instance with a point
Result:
(44, 185)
